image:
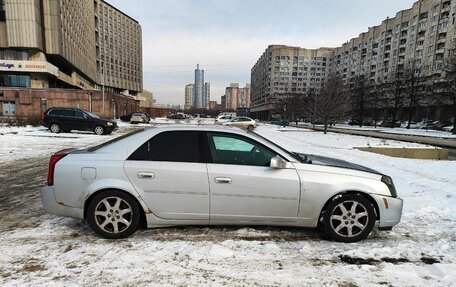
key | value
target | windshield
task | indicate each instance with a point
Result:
(290, 154)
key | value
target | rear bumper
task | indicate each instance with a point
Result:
(53, 207)
(390, 209)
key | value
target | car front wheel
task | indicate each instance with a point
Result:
(99, 130)
(349, 218)
(113, 214)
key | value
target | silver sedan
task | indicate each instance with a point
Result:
(199, 175)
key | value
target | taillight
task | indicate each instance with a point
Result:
(52, 162)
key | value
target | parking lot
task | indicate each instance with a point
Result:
(42, 249)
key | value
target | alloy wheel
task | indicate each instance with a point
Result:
(349, 218)
(113, 215)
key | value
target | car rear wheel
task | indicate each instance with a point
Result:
(250, 127)
(349, 218)
(55, 128)
(113, 214)
(99, 130)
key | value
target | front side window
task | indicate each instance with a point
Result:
(233, 149)
(173, 146)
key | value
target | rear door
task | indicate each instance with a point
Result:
(170, 173)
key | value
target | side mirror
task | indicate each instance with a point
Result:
(278, 162)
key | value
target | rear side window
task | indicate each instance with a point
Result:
(55, 112)
(175, 146)
(67, 113)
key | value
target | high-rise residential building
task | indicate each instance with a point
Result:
(118, 39)
(284, 70)
(85, 44)
(223, 102)
(189, 96)
(199, 88)
(421, 38)
(232, 96)
(206, 95)
(244, 97)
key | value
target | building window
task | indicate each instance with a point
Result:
(2, 10)
(14, 80)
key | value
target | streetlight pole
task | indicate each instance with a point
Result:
(103, 89)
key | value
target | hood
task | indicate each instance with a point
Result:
(334, 162)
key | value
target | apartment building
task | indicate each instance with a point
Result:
(189, 96)
(284, 70)
(420, 38)
(118, 39)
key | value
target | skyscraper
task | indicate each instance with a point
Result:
(189, 96)
(199, 88)
(206, 95)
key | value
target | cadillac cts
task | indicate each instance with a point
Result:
(200, 175)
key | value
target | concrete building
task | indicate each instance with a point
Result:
(284, 70)
(213, 105)
(420, 38)
(232, 94)
(145, 98)
(199, 88)
(49, 44)
(118, 39)
(223, 102)
(189, 96)
(206, 95)
(244, 97)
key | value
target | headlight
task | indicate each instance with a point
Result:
(109, 124)
(389, 182)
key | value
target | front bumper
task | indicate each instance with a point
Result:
(390, 209)
(53, 207)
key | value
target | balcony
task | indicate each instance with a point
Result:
(446, 9)
(440, 51)
(441, 41)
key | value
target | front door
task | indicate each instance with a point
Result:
(170, 174)
(244, 188)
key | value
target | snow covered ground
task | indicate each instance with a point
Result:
(41, 249)
(402, 131)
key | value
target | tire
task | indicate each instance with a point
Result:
(349, 218)
(99, 130)
(55, 128)
(113, 214)
(250, 127)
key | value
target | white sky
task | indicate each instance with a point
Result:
(226, 37)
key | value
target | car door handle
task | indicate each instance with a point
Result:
(222, 180)
(146, 175)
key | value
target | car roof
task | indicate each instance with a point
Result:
(130, 143)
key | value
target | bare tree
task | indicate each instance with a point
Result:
(446, 86)
(395, 94)
(358, 93)
(375, 100)
(412, 81)
(333, 101)
(293, 106)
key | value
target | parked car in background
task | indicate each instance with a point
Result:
(223, 119)
(438, 125)
(280, 122)
(413, 125)
(243, 123)
(389, 124)
(163, 176)
(176, 117)
(448, 128)
(139, 118)
(127, 118)
(67, 119)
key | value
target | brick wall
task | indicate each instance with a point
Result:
(31, 102)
